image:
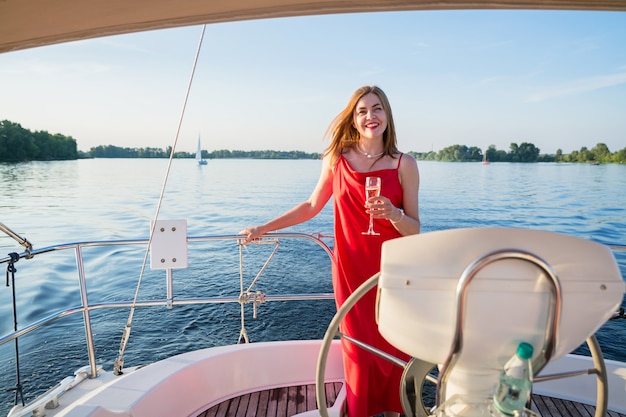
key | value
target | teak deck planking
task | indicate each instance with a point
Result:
(289, 401)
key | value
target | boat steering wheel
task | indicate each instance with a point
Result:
(416, 371)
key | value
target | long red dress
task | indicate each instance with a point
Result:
(372, 383)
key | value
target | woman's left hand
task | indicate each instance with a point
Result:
(382, 208)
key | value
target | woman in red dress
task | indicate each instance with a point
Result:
(363, 144)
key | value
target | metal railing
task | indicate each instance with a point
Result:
(86, 307)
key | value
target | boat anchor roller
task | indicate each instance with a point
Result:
(466, 298)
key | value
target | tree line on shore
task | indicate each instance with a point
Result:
(18, 144)
(110, 151)
(524, 152)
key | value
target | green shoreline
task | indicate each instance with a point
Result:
(18, 144)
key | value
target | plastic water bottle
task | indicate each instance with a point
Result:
(513, 390)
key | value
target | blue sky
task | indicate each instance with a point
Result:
(478, 78)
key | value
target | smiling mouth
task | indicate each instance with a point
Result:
(372, 125)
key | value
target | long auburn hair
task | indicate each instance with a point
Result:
(343, 134)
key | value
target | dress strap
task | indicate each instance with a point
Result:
(399, 159)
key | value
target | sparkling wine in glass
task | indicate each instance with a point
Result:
(372, 189)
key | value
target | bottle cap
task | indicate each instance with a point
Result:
(525, 350)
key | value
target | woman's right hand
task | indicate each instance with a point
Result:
(252, 233)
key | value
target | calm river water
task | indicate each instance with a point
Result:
(105, 199)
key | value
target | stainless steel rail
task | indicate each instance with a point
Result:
(85, 308)
(552, 322)
(19, 239)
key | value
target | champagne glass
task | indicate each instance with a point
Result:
(372, 189)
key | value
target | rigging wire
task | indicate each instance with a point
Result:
(119, 362)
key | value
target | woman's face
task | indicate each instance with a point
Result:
(370, 119)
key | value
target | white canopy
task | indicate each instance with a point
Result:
(31, 23)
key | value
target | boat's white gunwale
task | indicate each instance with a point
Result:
(155, 389)
(192, 382)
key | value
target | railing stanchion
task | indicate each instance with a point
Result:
(169, 284)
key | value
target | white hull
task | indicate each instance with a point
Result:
(187, 384)
(192, 382)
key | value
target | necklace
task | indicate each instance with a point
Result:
(367, 154)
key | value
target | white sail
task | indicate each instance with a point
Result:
(199, 154)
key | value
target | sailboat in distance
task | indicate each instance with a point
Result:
(199, 159)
